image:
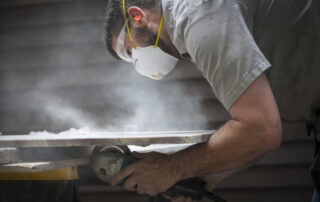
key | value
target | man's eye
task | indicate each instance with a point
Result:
(129, 52)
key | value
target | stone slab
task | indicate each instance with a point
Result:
(102, 139)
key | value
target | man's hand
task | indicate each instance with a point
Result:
(153, 173)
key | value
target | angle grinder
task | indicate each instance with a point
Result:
(109, 160)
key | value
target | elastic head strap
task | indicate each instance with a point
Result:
(158, 36)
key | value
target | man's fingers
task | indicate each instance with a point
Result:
(131, 183)
(125, 172)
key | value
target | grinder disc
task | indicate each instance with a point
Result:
(107, 161)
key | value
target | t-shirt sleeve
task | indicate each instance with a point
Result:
(219, 41)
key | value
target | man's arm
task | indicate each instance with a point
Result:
(255, 128)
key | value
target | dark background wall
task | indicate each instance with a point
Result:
(55, 74)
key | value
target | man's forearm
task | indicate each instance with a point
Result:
(233, 145)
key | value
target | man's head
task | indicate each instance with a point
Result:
(139, 13)
(143, 19)
(135, 32)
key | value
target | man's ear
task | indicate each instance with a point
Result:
(137, 16)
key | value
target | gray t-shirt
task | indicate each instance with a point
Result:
(233, 41)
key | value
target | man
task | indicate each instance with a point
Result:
(257, 55)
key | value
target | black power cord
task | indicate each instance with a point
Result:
(193, 188)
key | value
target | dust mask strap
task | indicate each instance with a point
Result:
(159, 32)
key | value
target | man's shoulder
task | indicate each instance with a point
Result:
(181, 15)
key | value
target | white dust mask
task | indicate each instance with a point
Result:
(152, 62)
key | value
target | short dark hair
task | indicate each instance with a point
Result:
(114, 19)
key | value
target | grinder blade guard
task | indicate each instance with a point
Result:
(107, 161)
